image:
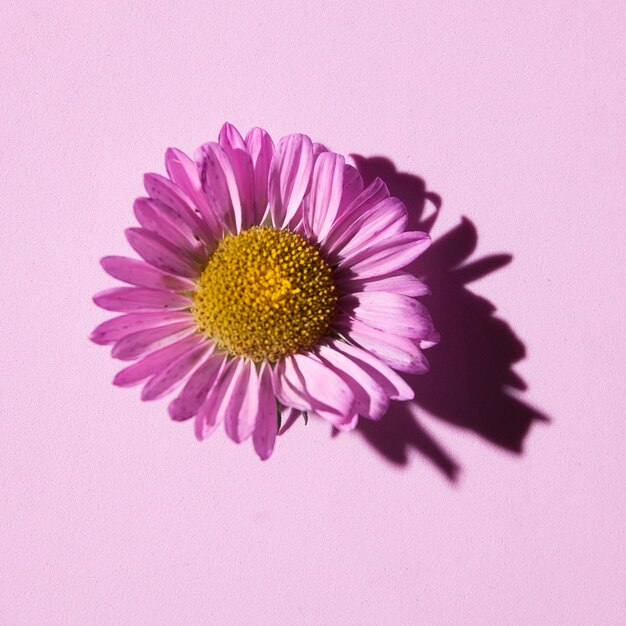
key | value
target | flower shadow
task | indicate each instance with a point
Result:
(471, 383)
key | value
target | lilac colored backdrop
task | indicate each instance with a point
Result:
(485, 504)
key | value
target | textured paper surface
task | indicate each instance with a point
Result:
(514, 115)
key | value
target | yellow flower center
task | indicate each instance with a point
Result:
(264, 294)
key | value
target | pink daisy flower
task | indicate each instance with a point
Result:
(271, 287)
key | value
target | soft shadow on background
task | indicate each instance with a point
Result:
(471, 383)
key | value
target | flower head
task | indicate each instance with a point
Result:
(271, 286)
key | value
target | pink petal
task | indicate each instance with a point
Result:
(232, 396)
(390, 312)
(289, 178)
(139, 273)
(285, 393)
(156, 361)
(140, 299)
(170, 194)
(114, 329)
(326, 391)
(147, 340)
(219, 184)
(371, 196)
(183, 171)
(241, 410)
(261, 149)
(209, 416)
(400, 353)
(195, 391)
(370, 397)
(320, 209)
(376, 225)
(395, 386)
(237, 151)
(386, 256)
(397, 282)
(230, 137)
(167, 378)
(161, 253)
(161, 219)
(352, 187)
(266, 427)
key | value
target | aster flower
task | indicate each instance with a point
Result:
(271, 287)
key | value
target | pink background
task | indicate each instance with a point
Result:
(112, 514)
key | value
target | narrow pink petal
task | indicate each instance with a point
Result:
(156, 361)
(416, 325)
(140, 299)
(376, 225)
(208, 417)
(400, 353)
(163, 220)
(195, 391)
(237, 151)
(387, 256)
(118, 327)
(230, 137)
(390, 312)
(372, 195)
(266, 427)
(184, 173)
(249, 411)
(289, 178)
(352, 187)
(219, 184)
(370, 397)
(397, 282)
(161, 253)
(232, 396)
(325, 390)
(136, 272)
(241, 410)
(148, 216)
(167, 378)
(395, 386)
(172, 195)
(326, 189)
(285, 392)
(147, 340)
(261, 148)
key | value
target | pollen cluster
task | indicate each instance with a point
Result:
(265, 293)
